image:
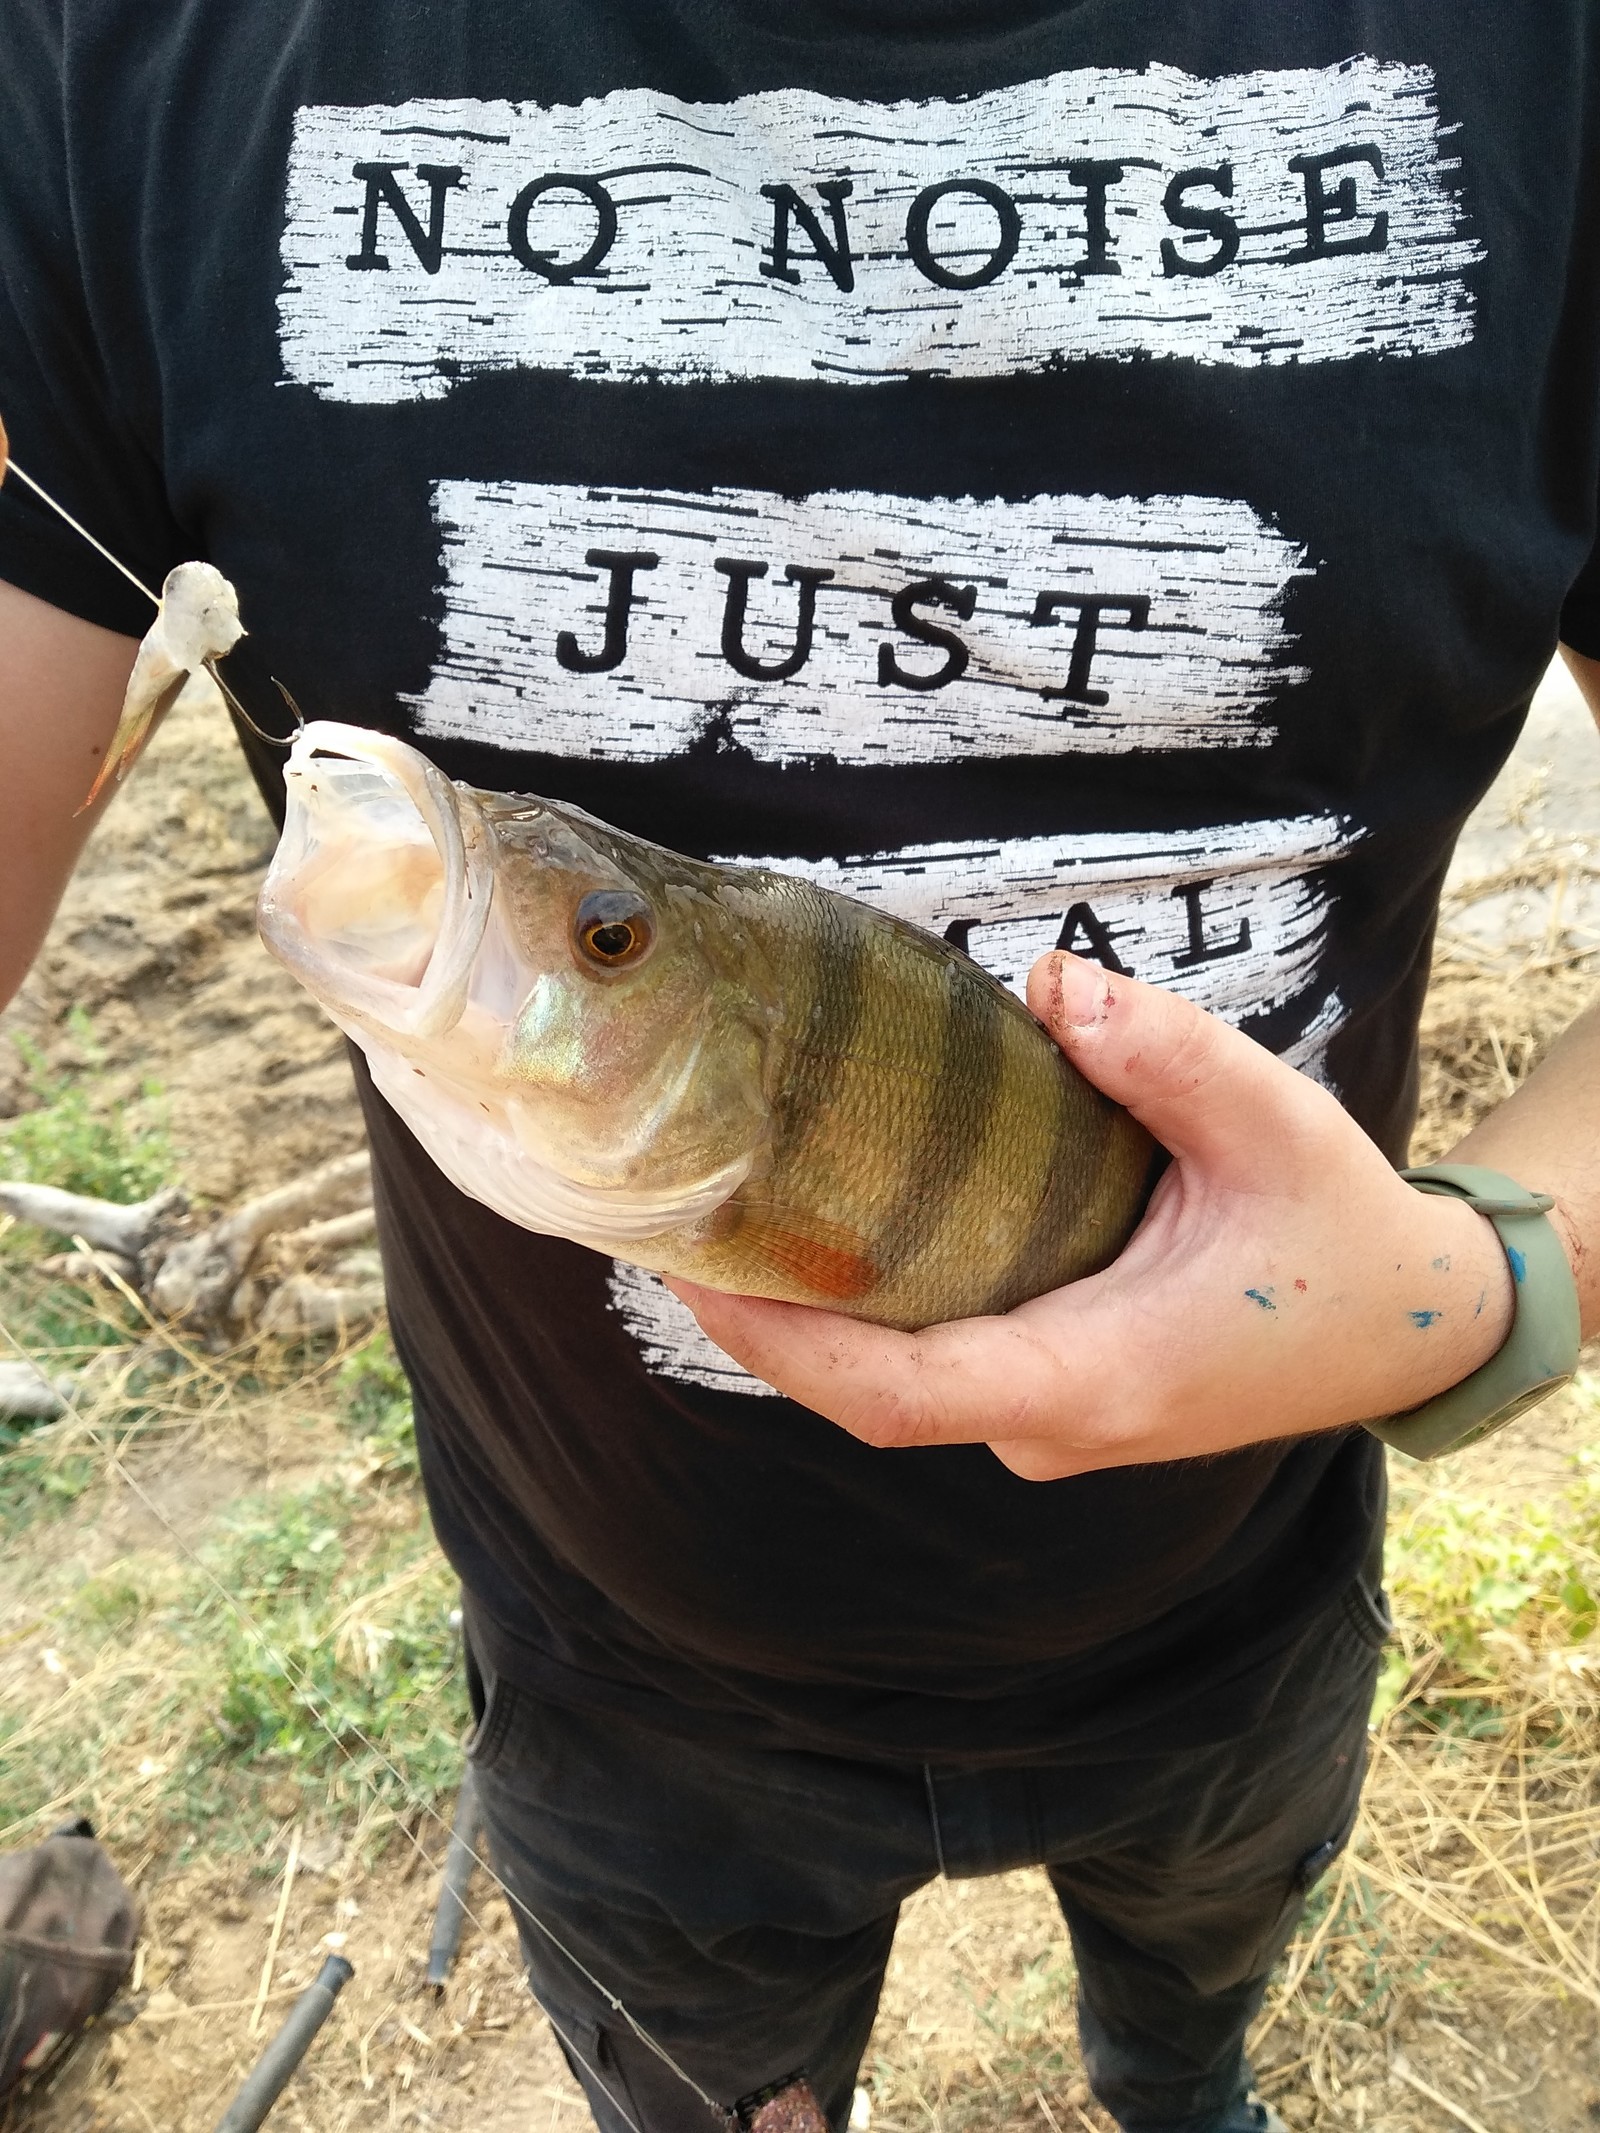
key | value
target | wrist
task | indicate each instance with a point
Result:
(1474, 1325)
(1540, 1350)
(1566, 1229)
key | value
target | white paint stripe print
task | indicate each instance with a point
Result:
(1293, 216)
(870, 629)
(1234, 918)
(669, 1335)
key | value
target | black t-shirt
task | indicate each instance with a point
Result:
(1098, 473)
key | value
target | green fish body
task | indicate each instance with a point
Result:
(723, 1072)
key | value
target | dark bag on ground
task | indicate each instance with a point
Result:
(67, 1929)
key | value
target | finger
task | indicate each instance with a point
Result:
(955, 1384)
(1205, 1091)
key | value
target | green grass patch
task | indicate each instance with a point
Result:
(337, 1654)
(376, 1402)
(1474, 1580)
(65, 1140)
(309, 1642)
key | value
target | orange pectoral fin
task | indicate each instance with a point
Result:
(831, 1261)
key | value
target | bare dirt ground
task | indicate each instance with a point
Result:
(1481, 2013)
(156, 942)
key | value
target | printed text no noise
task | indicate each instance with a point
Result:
(962, 232)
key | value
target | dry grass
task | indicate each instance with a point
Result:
(1466, 1914)
(1448, 1975)
(1492, 1013)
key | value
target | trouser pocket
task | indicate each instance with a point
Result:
(490, 1698)
(1366, 1603)
(630, 2088)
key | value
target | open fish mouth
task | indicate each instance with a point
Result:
(379, 893)
(379, 900)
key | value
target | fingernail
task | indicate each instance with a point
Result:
(1081, 992)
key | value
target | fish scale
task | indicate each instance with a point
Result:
(924, 1118)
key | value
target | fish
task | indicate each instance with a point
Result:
(717, 1071)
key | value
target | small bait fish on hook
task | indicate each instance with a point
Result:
(197, 623)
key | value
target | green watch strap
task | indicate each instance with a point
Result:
(1541, 1350)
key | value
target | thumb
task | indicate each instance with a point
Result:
(1204, 1090)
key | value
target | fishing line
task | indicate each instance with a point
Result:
(272, 740)
(100, 547)
(300, 1682)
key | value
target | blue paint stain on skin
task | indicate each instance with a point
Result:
(1263, 1298)
(1425, 1319)
(1442, 1266)
(1519, 1265)
(1483, 1298)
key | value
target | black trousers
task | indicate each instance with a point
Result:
(741, 1904)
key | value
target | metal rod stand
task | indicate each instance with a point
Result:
(273, 2070)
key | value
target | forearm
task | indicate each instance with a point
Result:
(61, 684)
(1284, 1279)
(1547, 1137)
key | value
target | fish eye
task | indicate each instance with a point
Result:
(613, 927)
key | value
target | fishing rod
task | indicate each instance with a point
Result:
(274, 2070)
(465, 1851)
(299, 1681)
(458, 1864)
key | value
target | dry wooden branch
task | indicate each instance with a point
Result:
(337, 1234)
(106, 1224)
(197, 1279)
(27, 1395)
(90, 1268)
(302, 1305)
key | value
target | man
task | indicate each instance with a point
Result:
(1101, 479)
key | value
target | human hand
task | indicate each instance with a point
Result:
(1283, 1280)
